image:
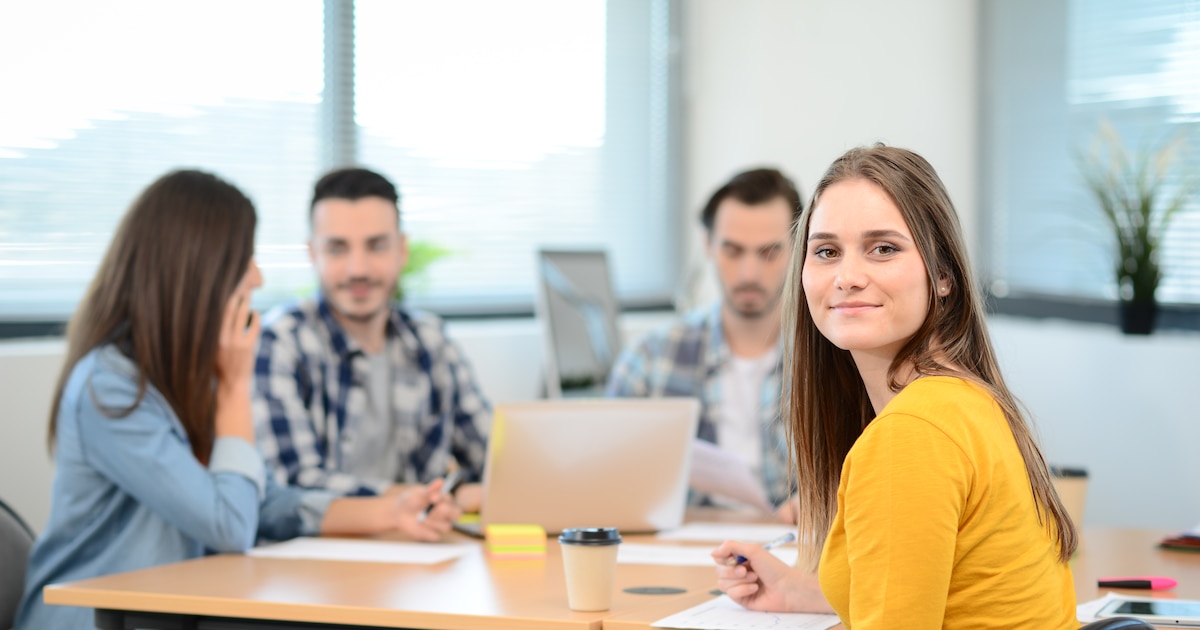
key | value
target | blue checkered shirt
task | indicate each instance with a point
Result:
(311, 390)
(685, 359)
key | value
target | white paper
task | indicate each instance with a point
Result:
(723, 613)
(363, 551)
(719, 472)
(719, 532)
(684, 555)
(1086, 612)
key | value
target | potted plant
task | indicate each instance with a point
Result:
(1139, 194)
(421, 254)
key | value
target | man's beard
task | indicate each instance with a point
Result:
(767, 307)
(360, 318)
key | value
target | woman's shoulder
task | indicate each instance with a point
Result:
(946, 402)
(940, 391)
(105, 378)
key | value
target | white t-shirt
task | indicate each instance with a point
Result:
(739, 430)
(371, 454)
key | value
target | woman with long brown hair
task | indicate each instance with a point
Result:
(921, 484)
(151, 426)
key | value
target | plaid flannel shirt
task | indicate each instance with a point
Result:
(685, 359)
(310, 391)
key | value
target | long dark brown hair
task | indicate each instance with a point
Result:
(160, 293)
(826, 400)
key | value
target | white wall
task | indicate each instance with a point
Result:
(797, 83)
(1124, 407)
(28, 370)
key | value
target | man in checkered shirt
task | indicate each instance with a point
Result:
(729, 354)
(353, 392)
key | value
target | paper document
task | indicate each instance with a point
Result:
(719, 472)
(723, 613)
(719, 532)
(684, 555)
(362, 551)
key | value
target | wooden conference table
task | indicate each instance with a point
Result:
(231, 591)
(1103, 552)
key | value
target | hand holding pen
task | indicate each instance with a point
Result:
(449, 483)
(756, 579)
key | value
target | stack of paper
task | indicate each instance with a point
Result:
(515, 541)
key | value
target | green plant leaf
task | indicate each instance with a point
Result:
(421, 256)
(1138, 193)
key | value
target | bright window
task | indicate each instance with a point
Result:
(508, 126)
(102, 98)
(515, 125)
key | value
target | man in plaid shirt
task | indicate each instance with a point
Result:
(354, 393)
(729, 354)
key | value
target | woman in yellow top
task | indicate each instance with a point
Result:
(921, 482)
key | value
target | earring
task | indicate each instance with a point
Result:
(943, 290)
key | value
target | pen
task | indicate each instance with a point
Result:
(1146, 581)
(448, 485)
(782, 540)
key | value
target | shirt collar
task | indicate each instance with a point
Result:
(398, 326)
(717, 351)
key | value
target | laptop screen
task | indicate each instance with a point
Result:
(578, 313)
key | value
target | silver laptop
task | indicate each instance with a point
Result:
(620, 463)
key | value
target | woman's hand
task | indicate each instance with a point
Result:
(764, 582)
(235, 368)
(240, 328)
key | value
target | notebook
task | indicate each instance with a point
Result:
(620, 463)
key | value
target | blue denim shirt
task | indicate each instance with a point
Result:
(128, 492)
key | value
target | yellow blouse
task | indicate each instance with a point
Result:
(936, 524)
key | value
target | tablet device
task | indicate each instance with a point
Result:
(1158, 612)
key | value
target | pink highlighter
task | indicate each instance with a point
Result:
(1144, 581)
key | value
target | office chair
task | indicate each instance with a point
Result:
(15, 541)
(1118, 623)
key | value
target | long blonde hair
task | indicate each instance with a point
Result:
(826, 403)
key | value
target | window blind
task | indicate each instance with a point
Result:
(521, 125)
(1052, 71)
(102, 98)
(508, 126)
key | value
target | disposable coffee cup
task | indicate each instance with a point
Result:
(590, 564)
(1071, 485)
